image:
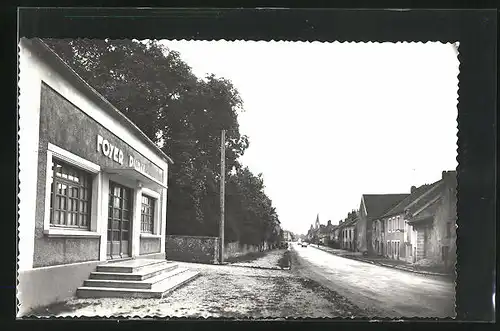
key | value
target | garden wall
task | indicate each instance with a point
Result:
(192, 249)
(200, 249)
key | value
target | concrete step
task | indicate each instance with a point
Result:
(158, 290)
(130, 266)
(144, 273)
(137, 284)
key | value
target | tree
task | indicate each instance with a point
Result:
(251, 217)
(157, 91)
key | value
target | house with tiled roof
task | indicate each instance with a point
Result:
(389, 235)
(326, 232)
(347, 231)
(432, 223)
(421, 226)
(372, 206)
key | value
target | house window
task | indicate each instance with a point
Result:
(147, 214)
(444, 253)
(448, 230)
(70, 196)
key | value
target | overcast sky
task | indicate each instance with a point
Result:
(328, 122)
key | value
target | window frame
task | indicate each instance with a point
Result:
(68, 182)
(151, 205)
(156, 197)
(94, 171)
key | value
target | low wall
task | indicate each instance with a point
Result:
(200, 249)
(192, 248)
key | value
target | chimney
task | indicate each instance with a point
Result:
(412, 189)
(329, 222)
(449, 177)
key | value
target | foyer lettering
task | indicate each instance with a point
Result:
(124, 157)
(108, 150)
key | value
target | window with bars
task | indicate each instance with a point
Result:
(147, 214)
(71, 190)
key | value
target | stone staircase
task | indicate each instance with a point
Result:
(138, 278)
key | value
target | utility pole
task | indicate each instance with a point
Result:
(222, 194)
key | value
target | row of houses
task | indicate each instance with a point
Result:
(342, 235)
(416, 227)
(320, 233)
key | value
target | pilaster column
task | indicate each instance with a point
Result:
(163, 221)
(136, 221)
(102, 217)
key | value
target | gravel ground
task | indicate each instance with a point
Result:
(270, 260)
(224, 292)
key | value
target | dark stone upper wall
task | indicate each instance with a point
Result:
(66, 126)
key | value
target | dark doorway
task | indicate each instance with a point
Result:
(119, 219)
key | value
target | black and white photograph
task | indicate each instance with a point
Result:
(242, 179)
(237, 179)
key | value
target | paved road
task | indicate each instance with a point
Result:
(382, 291)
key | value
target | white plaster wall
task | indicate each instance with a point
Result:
(29, 121)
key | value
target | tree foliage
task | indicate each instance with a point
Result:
(157, 91)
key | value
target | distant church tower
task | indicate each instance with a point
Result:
(317, 222)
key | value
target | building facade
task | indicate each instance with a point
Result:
(432, 223)
(372, 207)
(422, 226)
(390, 231)
(348, 234)
(93, 187)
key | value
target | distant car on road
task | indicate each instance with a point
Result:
(304, 244)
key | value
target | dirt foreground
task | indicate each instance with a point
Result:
(223, 292)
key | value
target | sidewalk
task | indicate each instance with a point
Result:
(401, 265)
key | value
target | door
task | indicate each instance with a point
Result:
(119, 217)
(421, 242)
